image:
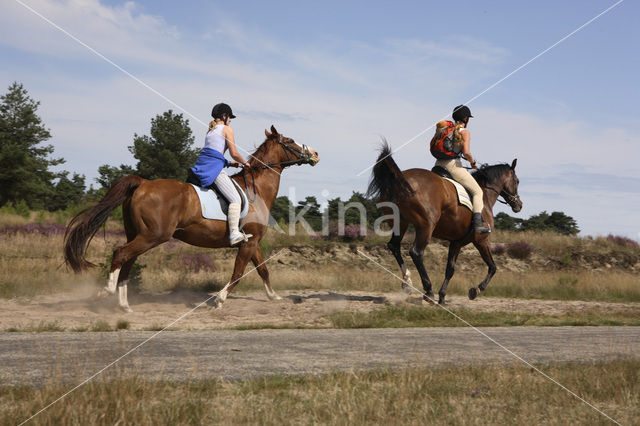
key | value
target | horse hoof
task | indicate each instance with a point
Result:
(126, 309)
(442, 302)
(429, 298)
(406, 288)
(473, 293)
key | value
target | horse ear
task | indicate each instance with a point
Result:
(273, 130)
(267, 134)
(513, 165)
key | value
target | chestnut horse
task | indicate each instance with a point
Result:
(430, 203)
(156, 210)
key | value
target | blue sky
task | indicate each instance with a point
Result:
(338, 75)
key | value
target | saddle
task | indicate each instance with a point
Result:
(463, 196)
(220, 210)
(441, 171)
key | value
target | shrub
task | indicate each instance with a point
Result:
(100, 325)
(622, 241)
(498, 249)
(519, 249)
(122, 324)
(353, 232)
(198, 262)
(22, 208)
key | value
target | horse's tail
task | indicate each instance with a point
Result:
(85, 224)
(387, 181)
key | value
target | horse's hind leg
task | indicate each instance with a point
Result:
(485, 252)
(123, 280)
(454, 251)
(264, 274)
(123, 258)
(394, 246)
(417, 254)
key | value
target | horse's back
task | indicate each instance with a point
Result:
(170, 198)
(436, 199)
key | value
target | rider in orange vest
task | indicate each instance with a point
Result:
(461, 115)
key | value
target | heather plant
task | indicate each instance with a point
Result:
(498, 249)
(47, 229)
(519, 250)
(353, 232)
(197, 262)
(622, 241)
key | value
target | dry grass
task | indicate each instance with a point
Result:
(30, 264)
(473, 395)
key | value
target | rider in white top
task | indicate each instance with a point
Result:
(215, 140)
(219, 139)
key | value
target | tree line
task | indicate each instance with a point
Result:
(167, 152)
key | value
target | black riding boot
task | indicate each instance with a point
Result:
(478, 226)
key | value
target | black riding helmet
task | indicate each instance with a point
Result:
(461, 112)
(221, 109)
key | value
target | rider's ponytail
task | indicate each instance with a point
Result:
(457, 135)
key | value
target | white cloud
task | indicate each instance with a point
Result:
(111, 30)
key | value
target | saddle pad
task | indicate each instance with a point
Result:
(463, 196)
(212, 206)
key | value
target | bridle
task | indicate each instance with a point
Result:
(304, 157)
(509, 198)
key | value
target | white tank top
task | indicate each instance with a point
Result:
(215, 140)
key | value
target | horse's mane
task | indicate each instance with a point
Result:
(258, 154)
(490, 174)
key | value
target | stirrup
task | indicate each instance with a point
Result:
(239, 237)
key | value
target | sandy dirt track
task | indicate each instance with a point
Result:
(298, 307)
(36, 358)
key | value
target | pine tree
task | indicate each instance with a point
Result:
(24, 162)
(67, 192)
(167, 153)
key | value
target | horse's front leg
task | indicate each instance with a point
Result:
(245, 252)
(485, 252)
(258, 262)
(454, 251)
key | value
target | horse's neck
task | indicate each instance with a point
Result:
(490, 194)
(266, 184)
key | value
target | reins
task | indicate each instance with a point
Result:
(305, 157)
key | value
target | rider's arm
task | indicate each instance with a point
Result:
(466, 152)
(227, 133)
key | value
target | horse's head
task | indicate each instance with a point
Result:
(502, 180)
(510, 188)
(284, 151)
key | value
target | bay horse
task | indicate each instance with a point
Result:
(430, 203)
(154, 211)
